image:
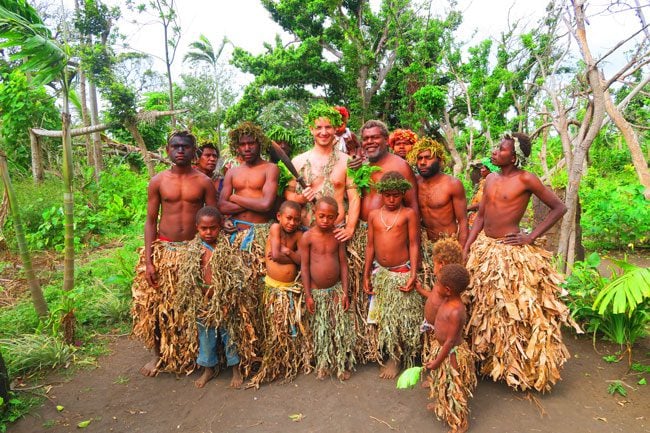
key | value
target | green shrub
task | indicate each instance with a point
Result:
(615, 213)
(33, 352)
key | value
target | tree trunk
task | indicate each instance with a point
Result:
(85, 118)
(68, 201)
(133, 129)
(450, 145)
(96, 138)
(34, 286)
(37, 160)
(632, 140)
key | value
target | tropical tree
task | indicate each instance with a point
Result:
(46, 61)
(34, 286)
(202, 51)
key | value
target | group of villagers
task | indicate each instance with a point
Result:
(365, 257)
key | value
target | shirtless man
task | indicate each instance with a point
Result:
(441, 197)
(374, 139)
(325, 170)
(249, 189)
(176, 195)
(507, 265)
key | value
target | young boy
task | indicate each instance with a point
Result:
(208, 225)
(285, 346)
(393, 251)
(452, 377)
(324, 270)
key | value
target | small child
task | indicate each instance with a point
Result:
(324, 270)
(452, 377)
(285, 345)
(392, 253)
(208, 224)
(445, 252)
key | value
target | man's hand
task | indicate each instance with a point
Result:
(410, 284)
(311, 306)
(345, 302)
(229, 227)
(517, 239)
(343, 234)
(309, 194)
(367, 286)
(355, 162)
(151, 275)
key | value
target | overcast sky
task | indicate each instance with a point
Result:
(248, 25)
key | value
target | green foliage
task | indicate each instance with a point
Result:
(32, 352)
(284, 178)
(617, 387)
(23, 106)
(615, 212)
(17, 407)
(116, 204)
(362, 176)
(588, 292)
(625, 292)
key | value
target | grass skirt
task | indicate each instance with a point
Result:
(515, 325)
(450, 388)
(286, 344)
(234, 302)
(399, 316)
(425, 273)
(366, 342)
(165, 317)
(333, 331)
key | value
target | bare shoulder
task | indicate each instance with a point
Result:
(530, 180)
(455, 184)
(408, 212)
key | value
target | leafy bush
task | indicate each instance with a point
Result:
(615, 212)
(617, 308)
(32, 352)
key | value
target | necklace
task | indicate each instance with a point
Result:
(381, 217)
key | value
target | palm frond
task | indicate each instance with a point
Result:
(626, 291)
(21, 27)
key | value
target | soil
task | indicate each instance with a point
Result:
(116, 398)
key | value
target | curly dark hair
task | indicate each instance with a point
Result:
(250, 129)
(447, 251)
(328, 201)
(208, 211)
(454, 276)
(184, 134)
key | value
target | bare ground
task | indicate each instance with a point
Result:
(118, 399)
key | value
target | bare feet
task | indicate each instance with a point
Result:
(150, 369)
(208, 373)
(236, 380)
(322, 374)
(345, 375)
(426, 383)
(390, 369)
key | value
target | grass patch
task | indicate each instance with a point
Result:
(33, 352)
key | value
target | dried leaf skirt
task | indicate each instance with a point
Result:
(516, 319)
(333, 332)
(286, 340)
(452, 388)
(366, 349)
(165, 317)
(399, 316)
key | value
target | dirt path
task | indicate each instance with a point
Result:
(118, 399)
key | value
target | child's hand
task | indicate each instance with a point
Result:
(311, 306)
(286, 251)
(367, 286)
(410, 284)
(432, 365)
(345, 302)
